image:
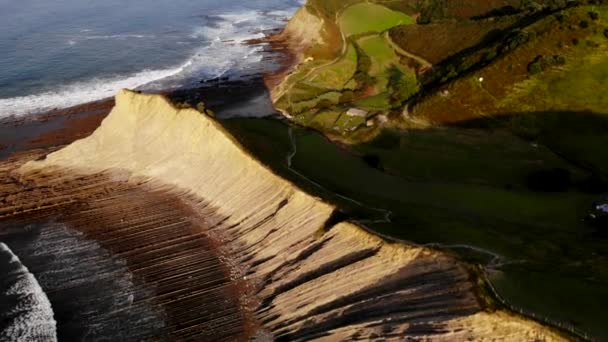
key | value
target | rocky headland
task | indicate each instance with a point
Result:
(221, 248)
(158, 224)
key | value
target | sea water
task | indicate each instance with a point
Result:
(59, 53)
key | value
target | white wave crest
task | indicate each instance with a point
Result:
(227, 36)
(82, 92)
(119, 36)
(224, 52)
(27, 313)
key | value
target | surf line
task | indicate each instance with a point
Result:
(386, 214)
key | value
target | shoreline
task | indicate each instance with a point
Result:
(61, 126)
(51, 129)
(279, 42)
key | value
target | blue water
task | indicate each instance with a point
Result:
(59, 53)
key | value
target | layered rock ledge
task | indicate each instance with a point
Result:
(171, 192)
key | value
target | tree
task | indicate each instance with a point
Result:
(402, 85)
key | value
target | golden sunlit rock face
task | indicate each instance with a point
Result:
(296, 277)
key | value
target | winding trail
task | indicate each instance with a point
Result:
(386, 214)
(399, 50)
(496, 261)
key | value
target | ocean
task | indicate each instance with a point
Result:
(60, 53)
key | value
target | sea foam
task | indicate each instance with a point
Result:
(26, 313)
(222, 52)
(81, 92)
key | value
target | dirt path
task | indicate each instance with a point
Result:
(399, 50)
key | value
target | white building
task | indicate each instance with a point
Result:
(357, 112)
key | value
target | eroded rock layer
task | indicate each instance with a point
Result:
(121, 261)
(299, 277)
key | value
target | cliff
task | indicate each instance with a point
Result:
(303, 278)
(303, 30)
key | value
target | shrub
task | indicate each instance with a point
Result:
(464, 66)
(594, 15)
(364, 64)
(346, 97)
(402, 86)
(559, 60)
(540, 63)
(490, 55)
(535, 68)
(531, 5)
(432, 10)
(561, 17)
(591, 43)
(200, 107)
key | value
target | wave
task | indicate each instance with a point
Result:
(94, 295)
(26, 313)
(119, 36)
(226, 52)
(223, 52)
(82, 92)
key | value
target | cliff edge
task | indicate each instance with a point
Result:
(305, 278)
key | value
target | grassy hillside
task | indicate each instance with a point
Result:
(550, 90)
(370, 74)
(480, 126)
(488, 196)
(368, 17)
(383, 57)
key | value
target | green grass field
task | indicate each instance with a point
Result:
(380, 52)
(380, 102)
(363, 70)
(326, 119)
(385, 63)
(382, 57)
(336, 75)
(369, 17)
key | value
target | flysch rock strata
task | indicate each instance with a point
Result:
(297, 278)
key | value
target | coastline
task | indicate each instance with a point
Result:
(281, 241)
(61, 127)
(279, 42)
(33, 136)
(57, 128)
(51, 129)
